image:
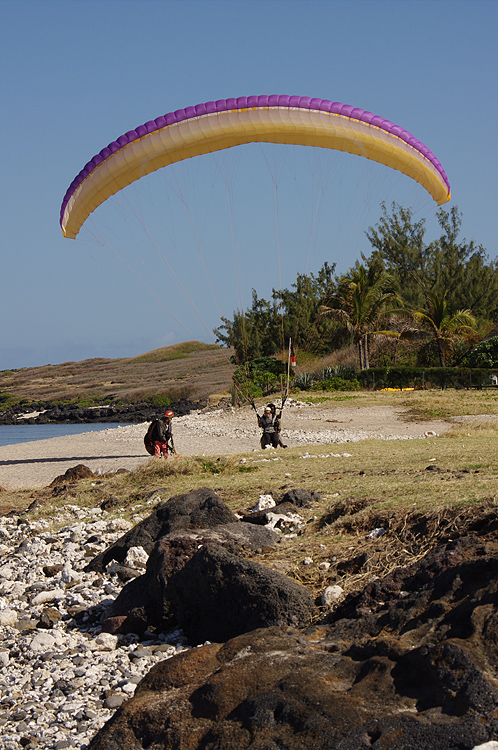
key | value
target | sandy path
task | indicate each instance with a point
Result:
(37, 464)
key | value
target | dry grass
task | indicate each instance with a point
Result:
(487, 430)
(421, 405)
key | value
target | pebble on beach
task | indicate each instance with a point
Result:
(61, 678)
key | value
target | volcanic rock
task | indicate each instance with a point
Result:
(73, 475)
(410, 662)
(144, 603)
(216, 596)
(72, 413)
(276, 688)
(199, 509)
(301, 498)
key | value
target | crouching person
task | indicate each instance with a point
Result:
(159, 438)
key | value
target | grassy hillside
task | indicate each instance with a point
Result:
(191, 369)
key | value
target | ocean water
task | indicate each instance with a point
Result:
(25, 433)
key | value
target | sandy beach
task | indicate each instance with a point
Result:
(212, 433)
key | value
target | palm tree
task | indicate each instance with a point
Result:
(444, 325)
(363, 298)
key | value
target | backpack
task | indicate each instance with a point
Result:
(148, 439)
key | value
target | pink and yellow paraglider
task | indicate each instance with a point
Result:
(249, 119)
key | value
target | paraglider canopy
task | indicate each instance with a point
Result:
(225, 123)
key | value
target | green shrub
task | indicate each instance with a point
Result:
(160, 400)
(303, 381)
(7, 400)
(485, 354)
(259, 377)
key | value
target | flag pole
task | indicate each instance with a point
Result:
(288, 368)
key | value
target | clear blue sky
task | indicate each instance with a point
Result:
(75, 74)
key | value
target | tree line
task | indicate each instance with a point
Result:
(408, 302)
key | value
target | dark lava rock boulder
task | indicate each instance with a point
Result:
(144, 602)
(278, 689)
(451, 592)
(216, 596)
(253, 692)
(74, 474)
(301, 498)
(198, 509)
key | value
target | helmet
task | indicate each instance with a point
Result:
(169, 413)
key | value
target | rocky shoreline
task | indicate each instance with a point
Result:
(48, 413)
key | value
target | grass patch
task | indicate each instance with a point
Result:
(323, 399)
(421, 405)
(7, 400)
(454, 469)
(177, 351)
(474, 429)
(218, 466)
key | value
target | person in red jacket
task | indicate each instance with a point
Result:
(159, 438)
